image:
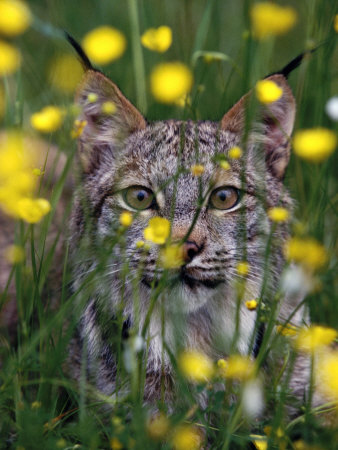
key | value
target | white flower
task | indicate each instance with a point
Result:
(331, 108)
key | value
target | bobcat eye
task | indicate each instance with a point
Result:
(225, 197)
(139, 197)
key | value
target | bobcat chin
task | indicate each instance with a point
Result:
(219, 217)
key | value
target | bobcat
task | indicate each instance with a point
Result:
(219, 218)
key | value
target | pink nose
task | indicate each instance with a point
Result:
(190, 250)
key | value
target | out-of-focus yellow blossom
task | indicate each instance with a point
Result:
(251, 304)
(269, 19)
(224, 164)
(196, 366)
(139, 244)
(302, 445)
(260, 442)
(267, 91)
(197, 170)
(170, 81)
(171, 256)
(237, 367)
(92, 97)
(15, 17)
(157, 39)
(183, 101)
(126, 219)
(278, 214)
(33, 210)
(10, 58)
(14, 254)
(65, 73)
(61, 443)
(327, 374)
(314, 145)
(37, 172)
(48, 120)
(287, 330)
(158, 230)
(115, 444)
(314, 337)
(78, 127)
(235, 152)
(104, 44)
(108, 108)
(36, 405)
(186, 437)
(335, 23)
(243, 268)
(307, 252)
(158, 427)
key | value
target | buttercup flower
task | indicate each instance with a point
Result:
(235, 153)
(314, 145)
(197, 170)
(269, 19)
(10, 58)
(307, 252)
(65, 73)
(15, 17)
(237, 367)
(267, 91)
(278, 214)
(104, 44)
(327, 374)
(186, 437)
(170, 81)
(33, 210)
(287, 330)
(158, 427)
(139, 244)
(126, 219)
(195, 366)
(78, 127)
(243, 268)
(314, 337)
(92, 97)
(251, 304)
(115, 444)
(224, 164)
(48, 120)
(158, 230)
(14, 254)
(171, 256)
(108, 108)
(260, 442)
(157, 39)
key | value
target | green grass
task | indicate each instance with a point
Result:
(40, 405)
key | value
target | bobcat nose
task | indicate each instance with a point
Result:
(190, 250)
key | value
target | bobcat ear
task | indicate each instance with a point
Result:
(277, 119)
(110, 118)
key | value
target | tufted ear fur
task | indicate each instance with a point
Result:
(104, 129)
(277, 119)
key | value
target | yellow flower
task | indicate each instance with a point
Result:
(158, 230)
(251, 304)
(170, 81)
(32, 210)
(10, 59)
(78, 127)
(108, 108)
(238, 367)
(171, 256)
(126, 219)
(195, 366)
(243, 268)
(183, 101)
(307, 252)
(260, 442)
(186, 437)
(47, 120)
(314, 145)
(224, 164)
(158, 427)
(157, 39)
(92, 97)
(37, 172)
(278, 214)
(235, 152)
(65, 73)
(139, 244)
(327, 374)
(268, 91)
(104, 44)
(14, 254)
(115, 444)
(314, 337)
(197, 170)
(287, 330)
(15, 17)
(36, 405)
(269, 19)
(335, 23)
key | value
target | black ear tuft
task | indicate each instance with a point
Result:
(87, 65)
